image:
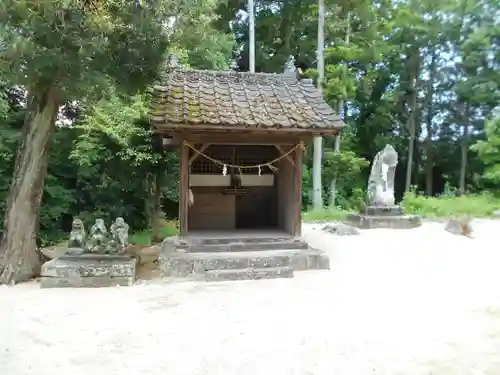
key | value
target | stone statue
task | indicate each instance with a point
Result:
(98, 242)
(119, 239)
(381, 181)
(77, 238)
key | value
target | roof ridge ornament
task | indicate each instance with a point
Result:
(234, 65)
(173, 61)
(290, 68)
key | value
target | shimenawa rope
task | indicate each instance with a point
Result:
(239, 167)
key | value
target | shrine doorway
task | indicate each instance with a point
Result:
(229, 194)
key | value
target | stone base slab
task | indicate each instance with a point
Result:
(200, 264)
(362, 221)
(249, 274)
(210, 245)
(382, 211)
(89, 270)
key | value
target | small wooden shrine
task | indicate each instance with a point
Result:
(241, 138)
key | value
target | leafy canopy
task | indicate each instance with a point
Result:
(489, 150)
(80, 47)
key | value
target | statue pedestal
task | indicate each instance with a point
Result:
(393, 217)
(89, 271)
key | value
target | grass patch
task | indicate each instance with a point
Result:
(482, 205)
(324, 215)
(143, 238)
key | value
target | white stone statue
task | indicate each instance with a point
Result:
(381, 181)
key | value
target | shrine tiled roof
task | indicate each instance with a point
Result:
(240, 100)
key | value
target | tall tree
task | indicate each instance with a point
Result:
(318, 141)
(340, 111)
(63, 50)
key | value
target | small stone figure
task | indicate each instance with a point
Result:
(119, 239)
(98, 242)
(381, 182)
(77, 238)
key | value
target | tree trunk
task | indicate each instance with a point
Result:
(409, 166)
(429, 164)
(341, 113)
(18, 250)
(465, 151)
(316, 173)
(414, 68)
(318, 141)
(336, 149)
(157, 214)
(428, 143)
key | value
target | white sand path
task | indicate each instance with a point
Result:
(406, 302)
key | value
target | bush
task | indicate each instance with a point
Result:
(448, 205)
(143, 238)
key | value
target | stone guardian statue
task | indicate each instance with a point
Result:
(380, 191)
(77, 238)
(119, 236)
(98, 242)
(381, 210)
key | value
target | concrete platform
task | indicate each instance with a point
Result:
(238, 258)
(362, 221)
(89, 270)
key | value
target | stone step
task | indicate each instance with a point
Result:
(249, 274)
(229, 240)
(187, 264)
(210, 263)
(387, 222)
(248, 246)
(89, 270)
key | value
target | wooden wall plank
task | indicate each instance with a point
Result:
(297, 196)
(183, 191)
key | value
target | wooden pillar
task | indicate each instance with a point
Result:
(297, 192)
(184, 190)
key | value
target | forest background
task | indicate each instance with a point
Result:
(421, 75)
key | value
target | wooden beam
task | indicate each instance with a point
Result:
(170, 142)
(195, 154)
(228, 138)
(297, 192)
(184, 191)
(159, 124)
(167, 129)
(287, 157)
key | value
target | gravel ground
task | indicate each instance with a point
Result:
(403, 302)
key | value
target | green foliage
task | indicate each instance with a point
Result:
(347, 167)
(119, 121)
(116, 155)
(203, 45)
(144, 238)
(482, 205)
(489, 150)
(106, 163)
(80, 47)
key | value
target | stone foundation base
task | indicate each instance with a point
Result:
(89, 270)
(391, 222)
(249, 274)
(238, 258)
(382, 211)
